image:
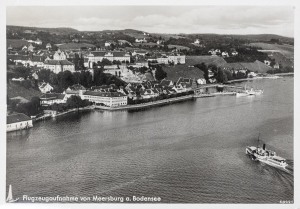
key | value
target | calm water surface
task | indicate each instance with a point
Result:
(191, 152)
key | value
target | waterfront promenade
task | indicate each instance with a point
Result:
(148, 104)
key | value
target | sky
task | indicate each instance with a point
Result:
(159, 19)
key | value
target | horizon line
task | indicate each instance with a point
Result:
(150, 32)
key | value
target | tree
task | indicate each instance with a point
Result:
(74, 101)
(203, 68)
(221, 76)
(22, 72)
(160, 73)
(30, 108)
(44, 75)
(228, 75)
(106, 62)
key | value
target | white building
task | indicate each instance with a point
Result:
(48, 46)
(225, 54)
(110, 99)
(140, 40)
(18, 121)
(98, 56)
(52, 98)
(45, 87)
(234, 53)
(75, 90)
(197, 41)
(201, 81)
(60, 55)
(139, 52)
(57, 66)
(175, 58)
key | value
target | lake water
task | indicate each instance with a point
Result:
(192, 152)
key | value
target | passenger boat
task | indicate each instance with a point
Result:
(266, 156)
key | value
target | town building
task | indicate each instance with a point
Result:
(159, 42)
(30, 48)
(109, 43)
(175, 58)
(57, 66)
(98, 56)
(18, 121)
(165, 82)
(140, 40)
(48, 46)
(32, 60)
(110, 99)
(197, 41)
(60, 55)
(45, 87)
(52, 98)
(75, 90)
(234, 53)
(276, 66)
(139, 52)
(225, 54)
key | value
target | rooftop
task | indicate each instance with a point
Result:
(15, 118)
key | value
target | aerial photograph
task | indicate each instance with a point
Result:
(149, 104)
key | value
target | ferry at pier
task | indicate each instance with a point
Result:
(266, 156)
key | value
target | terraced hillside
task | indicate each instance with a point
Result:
(15, 90)
(286, 50)
(193, 60)
(177, 71)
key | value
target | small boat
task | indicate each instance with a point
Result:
(10, 196)
(241, 94)
(266, 156)
(254, 92)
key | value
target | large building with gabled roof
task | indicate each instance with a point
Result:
(18, 121)
(57, 66)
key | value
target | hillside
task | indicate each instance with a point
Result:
(140, 34)
(177, 71)
(216, 60)
(62, 30)
(16, 43)
(14, 90)
(286, 50)
(73, 46)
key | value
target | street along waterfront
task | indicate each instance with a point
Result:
(192, 151)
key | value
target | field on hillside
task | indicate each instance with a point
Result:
(170, 46)
(16, 43)
(14, 90)
(70, 46)
(177, 71)
(165, 36)
(216, 60)
(286, 50)
(279, 58)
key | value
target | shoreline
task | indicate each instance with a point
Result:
(148, 104)
(273, 76)
(159, 102)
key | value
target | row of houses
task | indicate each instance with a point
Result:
(223, 54)
(112, 96)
